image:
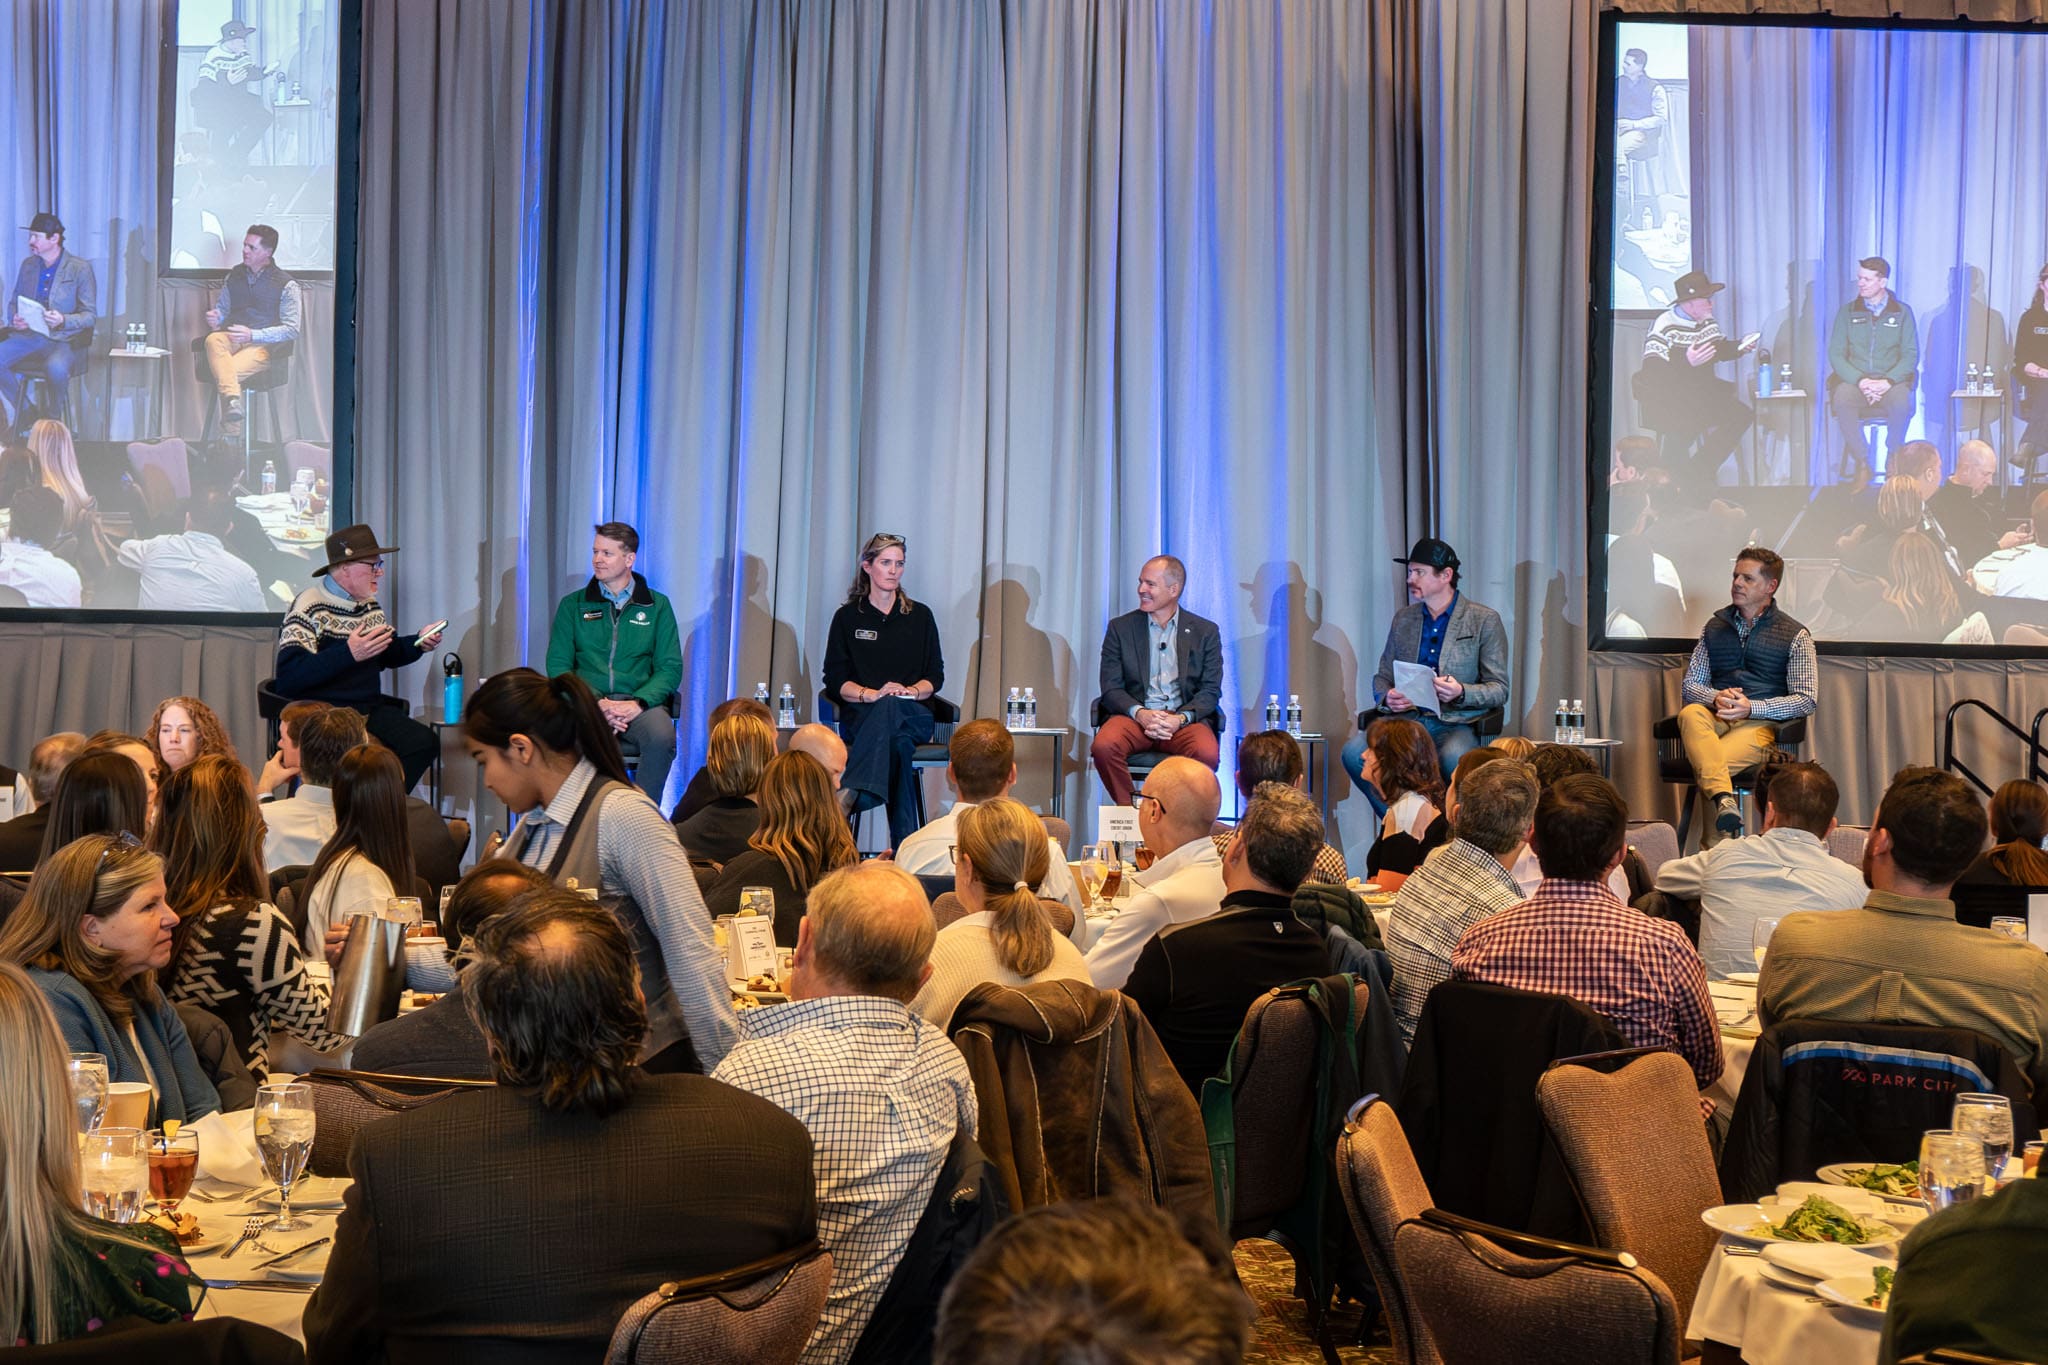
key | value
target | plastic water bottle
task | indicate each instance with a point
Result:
(1764, 374)
(785, 708)
(1013, 710)
(1784, 378)
(761, 693)
(451, 689)
(1272, 710)
(1578, 722)
(270, 476)
(1559, 720)
(1970, 384)
(1293, 713)
(1030, 709)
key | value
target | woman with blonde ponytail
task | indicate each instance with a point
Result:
(1005, 936)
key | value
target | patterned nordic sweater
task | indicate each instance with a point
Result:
(313, 659)
(243, 963)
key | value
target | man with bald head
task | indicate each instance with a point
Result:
(1184, 883)
(1162, 681)
(823, 743)
(881, 1089)
(1968, 506)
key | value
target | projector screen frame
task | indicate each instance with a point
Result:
(1602, 315)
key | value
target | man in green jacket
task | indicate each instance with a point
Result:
(1873, 360)
(619, 635)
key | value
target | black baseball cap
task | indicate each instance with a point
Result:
(1434, 554)
(46, 223)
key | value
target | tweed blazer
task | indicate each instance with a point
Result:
(1475, 653)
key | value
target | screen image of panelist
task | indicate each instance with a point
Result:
(1753, 666)
(884, 665)
(227, 97)
(255, 321)
(56, 337)
(1462, 644)
(620, 636)
(1681, 397)
(1162, 680)
(1873, 364)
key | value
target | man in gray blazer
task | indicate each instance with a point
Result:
(1162, 681)
(64, 286)
(1462, 642)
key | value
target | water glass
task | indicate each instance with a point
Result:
(2030, 1156)
(441, 913)
(403, 909)
(173, 1163)
(2012, 926)
(1989, 1119)
(758, 900)
(114, 1174)
(284, 1135)
(88, 1073)
(1760, 937)
(1951, 1168)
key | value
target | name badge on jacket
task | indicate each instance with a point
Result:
(597, 615)
(867, 635)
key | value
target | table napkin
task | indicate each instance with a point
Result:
(227, 1149)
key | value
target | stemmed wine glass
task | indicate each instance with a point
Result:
(1988, 1118)
(88, 1073)
(173, 1162)
(284, 1135)
(1951, 1168)
(1760, 937)
(114, 1174)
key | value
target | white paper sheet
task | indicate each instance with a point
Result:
(32, 314)
(1417, 682)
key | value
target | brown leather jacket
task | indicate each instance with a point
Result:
(1078, 1099)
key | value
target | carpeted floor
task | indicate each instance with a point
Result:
(1281, 1334)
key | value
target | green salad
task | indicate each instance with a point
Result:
(1902, 1181)
(1881, 1278)
(1817, 1220)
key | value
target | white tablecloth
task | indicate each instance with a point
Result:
(1735, 1008)
(1773, 1325)
(273, 1308)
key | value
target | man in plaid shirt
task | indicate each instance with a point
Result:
(881, 1089)
(1575, 937)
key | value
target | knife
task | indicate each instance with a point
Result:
(298, 1250)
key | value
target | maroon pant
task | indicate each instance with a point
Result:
(1120, 737)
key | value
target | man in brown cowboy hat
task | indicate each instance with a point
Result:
(336, 644)
(1698, 414)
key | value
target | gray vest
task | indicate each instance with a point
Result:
(573, 866)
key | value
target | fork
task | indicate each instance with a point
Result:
(250, 1228)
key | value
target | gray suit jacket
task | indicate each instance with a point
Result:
(1475, 653)
(1125, 666)
(74, 292)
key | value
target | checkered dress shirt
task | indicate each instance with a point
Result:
(1457, 886)
(882, 1092)
(1577, 939)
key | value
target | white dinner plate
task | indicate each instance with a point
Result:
(1838, 1173)
(1790, 1279)
(1850, 1291)
(214, 1232)
(1738, 1220)
(1817, 1260)
(1862, 1203)
(310, 1192)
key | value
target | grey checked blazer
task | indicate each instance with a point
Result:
(1475, 653)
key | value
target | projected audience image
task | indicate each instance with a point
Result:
(1827, 331)
(166, 350)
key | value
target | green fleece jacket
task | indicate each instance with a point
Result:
(636, 652)
(1886, 346)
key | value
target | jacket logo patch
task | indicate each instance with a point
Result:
(867, 635)
(597, 615)
(640, 618)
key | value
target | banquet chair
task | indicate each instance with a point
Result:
(1846, 842)
(1382, 1189)
(1059, 831)
(1486, 1295)
(757, 1314)
(1643, 1186)
(1674, 767)
(214, 1341)
(344, 1101)
(1656, 842)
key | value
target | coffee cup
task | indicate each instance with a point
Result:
(127, 1105)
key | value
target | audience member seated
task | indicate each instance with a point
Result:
(369, 859)
(440, 1038)
(182, 729)
(313, 737)
(981, 765)
(137, 751)
(1275, 756)
(1969, 1279)
(823, 743)
(741, 747)
(546, 749)
(281, 769)
(1551, 762)
(100, 792)
(881, 1089)
(1492, 808)
(1005, 936)
(1176, 810)
(93, 931)
(519, 1222)
(802, 837)
(194, 570)
(235, 955)
(1105, 1281)
(67, 1272)
(1786, 869)
(1195, 981)
(698, 792)
(2019, 825)
(1902, 958)
(1401, 762)
(21, 839)
(29, 562)
(1574, 937)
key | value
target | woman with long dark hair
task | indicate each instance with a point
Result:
(368, 859)
(99, 792)
(2019, 824)
(547, 751)
(801, 837)
(235, 955)
(1401, 760)
(883, 663)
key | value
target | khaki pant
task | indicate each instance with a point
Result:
(232, 364)
(1716, 748)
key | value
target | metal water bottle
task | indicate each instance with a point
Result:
(451, 689)
(1272, 710)
(1293, 713)
(785, 708)
(1764, 374)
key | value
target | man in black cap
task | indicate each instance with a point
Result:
(228, 96)
(55, 338)
(1464, 646)
(336, 643)
(1699, 415)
